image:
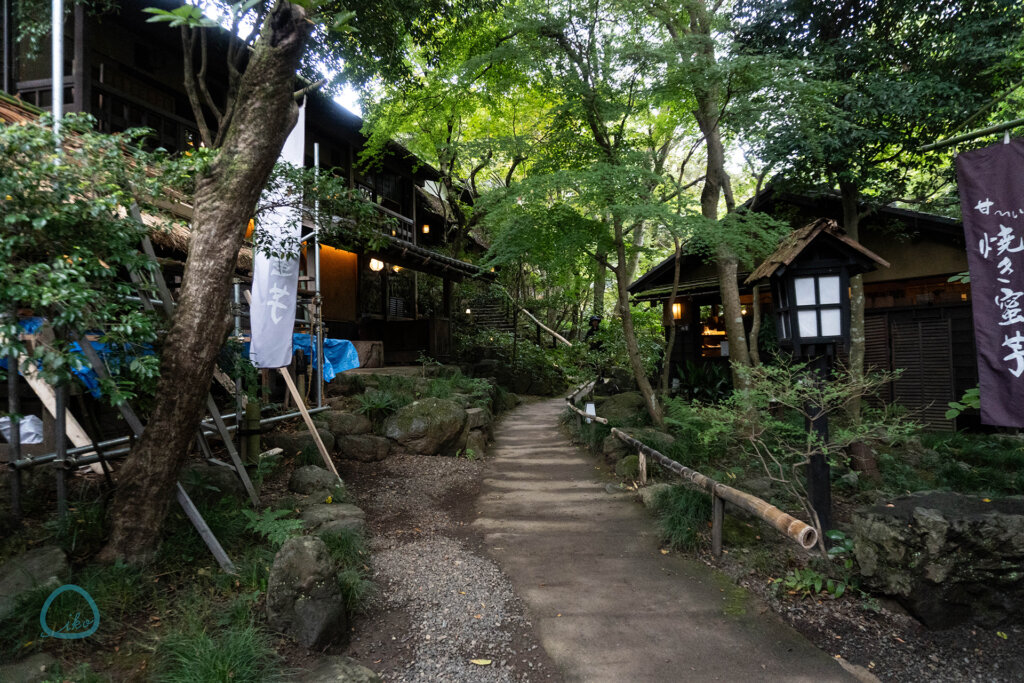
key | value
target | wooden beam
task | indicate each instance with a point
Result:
(309, 421)
(48, 397)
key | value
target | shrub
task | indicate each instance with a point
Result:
(683, 514)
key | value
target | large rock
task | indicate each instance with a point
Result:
(293, 443)
(327, 518)
(623, 409)
(476, 443)
(478, 418)
(303, 597)
(39, 667)
(430, 426)
(344, 423)
(362, 447)
(648, 495)
(946, 557)
(45, 566)
(338, 670)
(203, 480)
(614, 449)
(311, 478)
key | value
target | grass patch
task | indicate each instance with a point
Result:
(82, 531)
(683, 515)
(232, 653)
(348, 550)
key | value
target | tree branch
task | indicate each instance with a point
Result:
(188, 44)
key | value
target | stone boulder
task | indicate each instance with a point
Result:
(303, 597)
(203, 481)
(478, 418)
(362, 447)
(430, 426)
(648, 495)
(946, 557)
(293, 443)
(346, 384)
(324, 518)
(343, 423)
(476, 441)
(44, 566)
(614, 449)
(623, 409)
(311, 478)
(338, 670)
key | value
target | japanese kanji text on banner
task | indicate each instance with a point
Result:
(991, 183)
(275, 273)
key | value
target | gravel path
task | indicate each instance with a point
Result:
(441, 602)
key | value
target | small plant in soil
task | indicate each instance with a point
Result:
(272, 525)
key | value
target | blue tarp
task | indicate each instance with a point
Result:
(339, 354)
(108, 352)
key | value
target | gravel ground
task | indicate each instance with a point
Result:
(441, 602)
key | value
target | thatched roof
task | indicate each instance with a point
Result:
(797, 241)
(13, 110)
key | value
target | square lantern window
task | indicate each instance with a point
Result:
(812, 306)
(810, 279)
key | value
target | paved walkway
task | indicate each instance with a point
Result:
(607, 604)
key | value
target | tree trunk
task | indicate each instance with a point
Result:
(225, 198)
(666, 368)
(755, 327)
(600, 280)
(862, 457)
(850, 194)
(632, 348)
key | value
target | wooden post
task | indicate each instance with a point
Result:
(229, 444)
(717, 520)
(642, 466)
(252, 427)
(309, 421)
(204, 531)
(61, 442)
(15, 449)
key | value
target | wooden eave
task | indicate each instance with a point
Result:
(798, 240)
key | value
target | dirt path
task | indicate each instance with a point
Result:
(606, 604)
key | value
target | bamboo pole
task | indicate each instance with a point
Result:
(991, 130)
(530, 315)
(595, 418)
(790, 526)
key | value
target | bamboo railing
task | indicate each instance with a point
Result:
(789, 526)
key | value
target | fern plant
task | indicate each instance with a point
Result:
(270, 525)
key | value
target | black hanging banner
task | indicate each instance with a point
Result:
(991, 182)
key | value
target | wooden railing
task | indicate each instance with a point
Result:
(789, 526)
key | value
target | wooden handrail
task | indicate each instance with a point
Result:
(790, 526)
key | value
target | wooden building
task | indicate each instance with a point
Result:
(128, 73)
(915, 319)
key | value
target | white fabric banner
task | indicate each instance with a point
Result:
(275, 276)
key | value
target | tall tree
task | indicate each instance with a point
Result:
(873, 82)
(245, 128)
(262, 112)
